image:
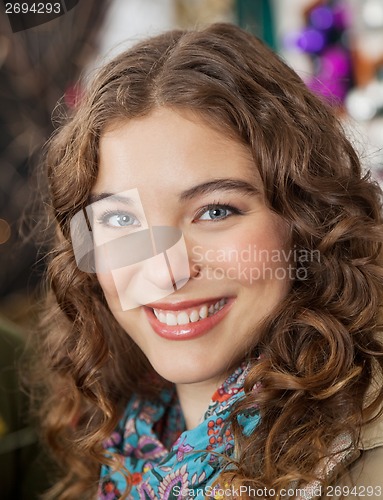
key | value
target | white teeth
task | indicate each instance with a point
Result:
(182, 318)
(194, 316)
(171, 319)
(203, 312)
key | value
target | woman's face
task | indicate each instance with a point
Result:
(195, 311)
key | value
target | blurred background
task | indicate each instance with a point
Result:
(335, 45)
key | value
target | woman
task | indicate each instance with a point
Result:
(215, 328)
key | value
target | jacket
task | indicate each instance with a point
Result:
(363, 464)
(366, 470)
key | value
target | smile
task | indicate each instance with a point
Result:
(183, 317)
(174, 322)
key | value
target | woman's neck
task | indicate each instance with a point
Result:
(195, 398)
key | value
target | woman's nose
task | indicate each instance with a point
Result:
(166, 267)
(169, 268)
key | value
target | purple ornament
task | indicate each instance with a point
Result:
(341, 16)
(311, 40)
(322, 18)
(334, 63)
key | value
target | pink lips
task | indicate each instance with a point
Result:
(190, 330)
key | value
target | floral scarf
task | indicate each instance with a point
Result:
(164, 460)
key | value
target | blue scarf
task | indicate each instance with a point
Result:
(164, 460)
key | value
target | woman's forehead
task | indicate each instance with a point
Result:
(169, 146)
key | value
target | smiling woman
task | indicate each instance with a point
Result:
(214, 323)
(206, 185)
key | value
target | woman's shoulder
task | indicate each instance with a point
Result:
(368, 468)
(371, 437)
(365, 478)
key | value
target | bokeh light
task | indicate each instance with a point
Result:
(5, 231)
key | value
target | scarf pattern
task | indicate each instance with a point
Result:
(164, 460)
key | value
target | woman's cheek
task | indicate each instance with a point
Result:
(108, 285)
(248, 253)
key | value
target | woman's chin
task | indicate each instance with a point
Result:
(184, 372)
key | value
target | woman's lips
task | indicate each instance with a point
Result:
(210, 313)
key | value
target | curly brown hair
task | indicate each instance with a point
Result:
(322, 348)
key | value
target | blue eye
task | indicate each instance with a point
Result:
(118, 219)
(217, 212)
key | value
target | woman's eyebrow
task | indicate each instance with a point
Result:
(93, 198)
(219, 185)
